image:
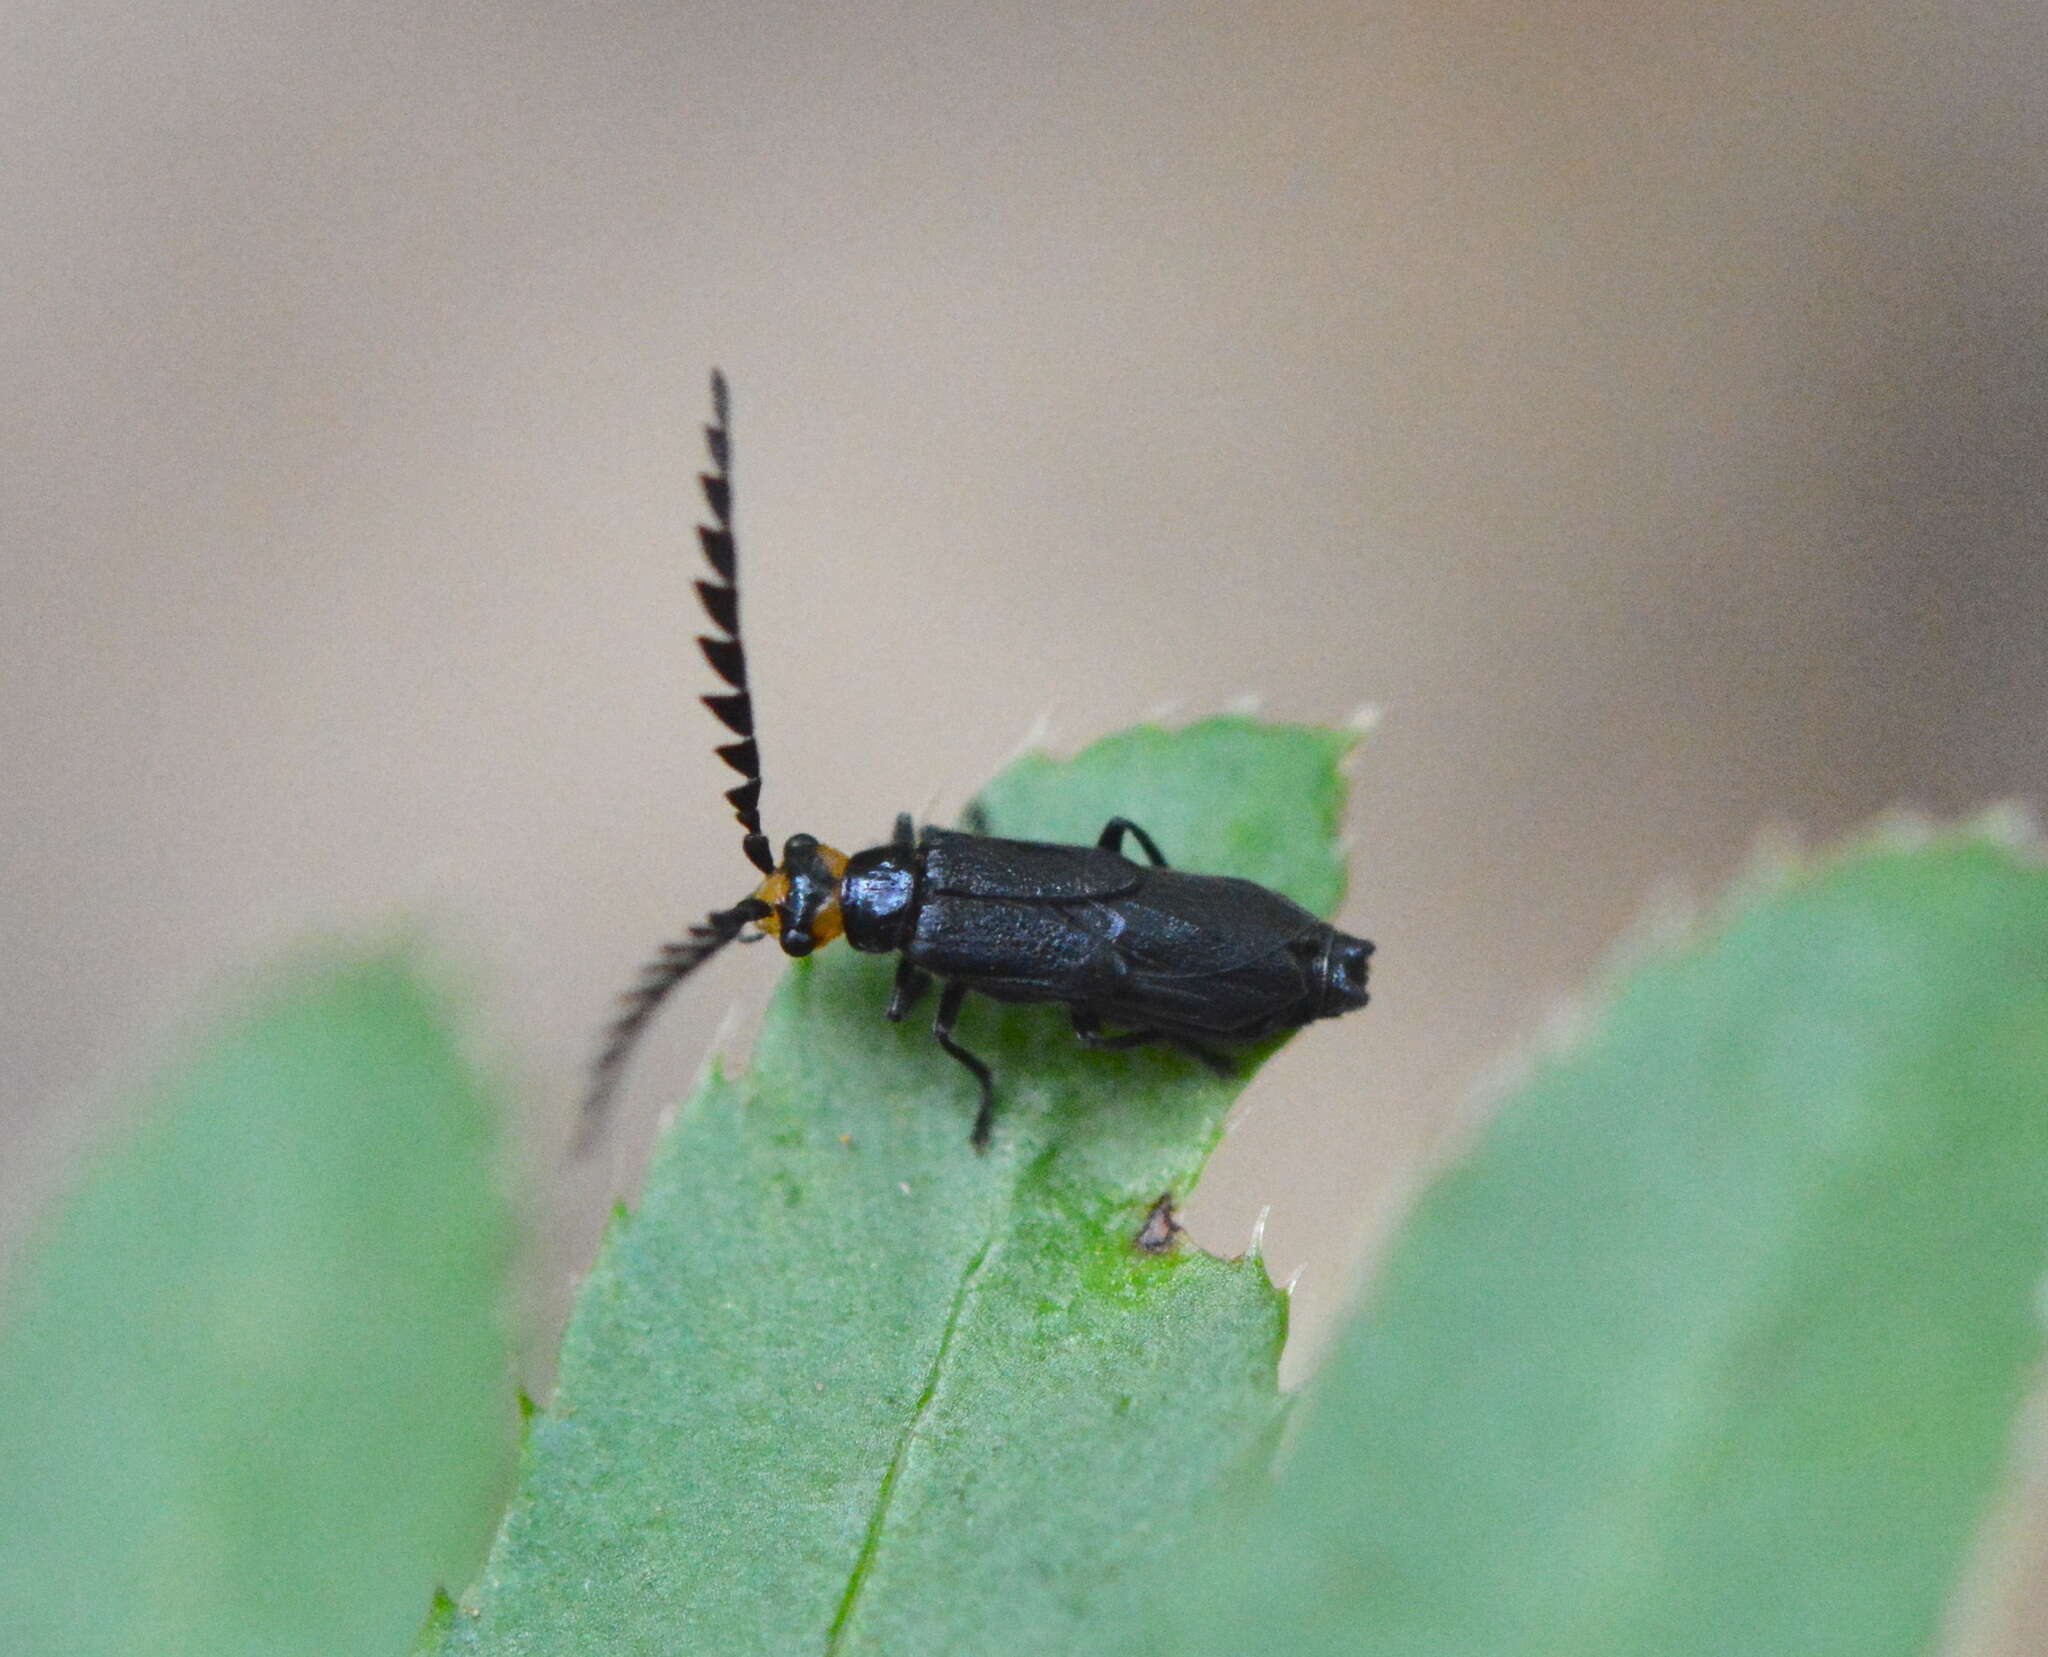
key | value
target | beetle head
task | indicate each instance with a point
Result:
(803, 895)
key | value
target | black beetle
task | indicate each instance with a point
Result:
(1167, 956)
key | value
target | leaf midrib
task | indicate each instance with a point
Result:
(871, 1542)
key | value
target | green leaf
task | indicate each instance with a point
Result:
(254, 1392)
(844, 1386)
(1716, 1341)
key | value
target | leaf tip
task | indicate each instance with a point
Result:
(1255, 1246)
(439, 1624)
(2012, 824)
(1037, 738)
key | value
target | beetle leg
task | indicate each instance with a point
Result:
(1088, 1032)
(1112, 840)
(906, 830)
(910, 987)
(1220, 1064)
(942, 1027)
(974, 816)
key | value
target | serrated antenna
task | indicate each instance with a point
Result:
(727, 656)
(668, 969)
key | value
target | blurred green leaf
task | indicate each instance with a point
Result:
(1715, 1343)
(254, 1392)
(844, 1386)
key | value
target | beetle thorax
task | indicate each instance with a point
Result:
(879, 898)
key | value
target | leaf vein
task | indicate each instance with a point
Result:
(871, 1542)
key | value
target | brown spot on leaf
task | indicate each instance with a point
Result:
(1156, 1235)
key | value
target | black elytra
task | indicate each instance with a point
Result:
(1198, 961)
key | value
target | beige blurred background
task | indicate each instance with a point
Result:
(1643, 406)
